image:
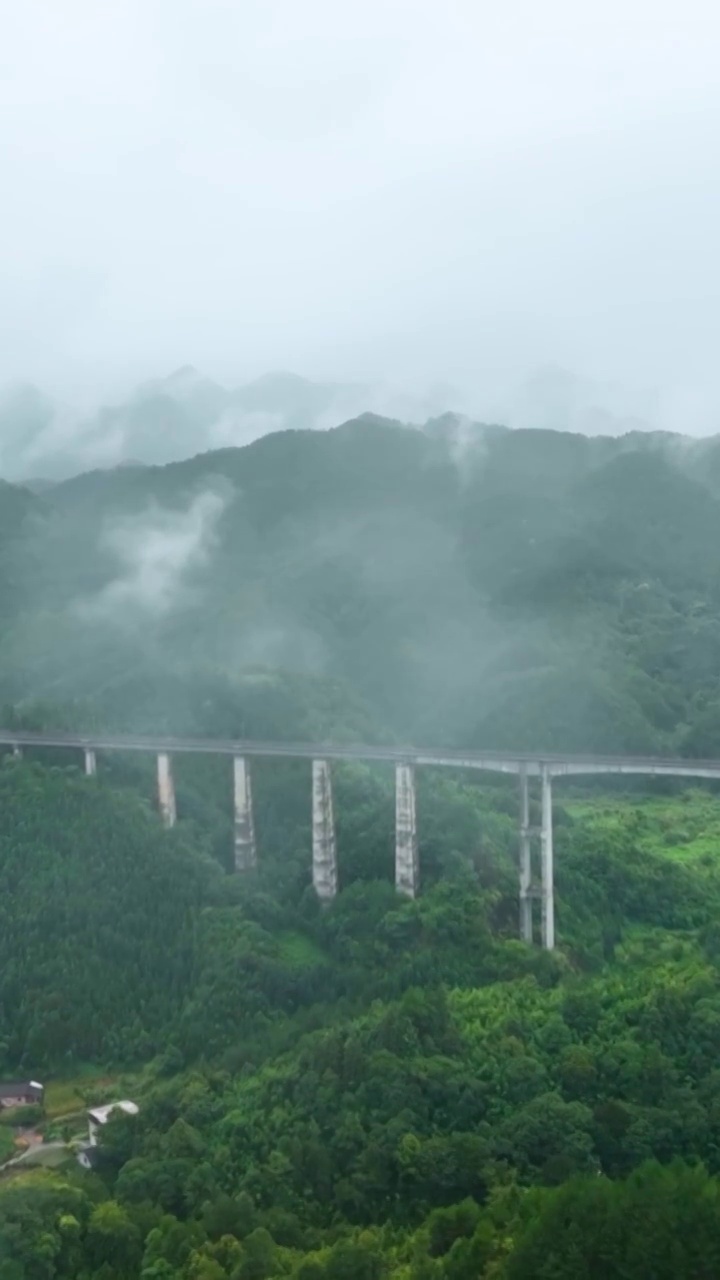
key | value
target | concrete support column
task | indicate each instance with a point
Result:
(525, 868)
(406, 845)
(166, 790)
(324, 854)
(90, 762)
(245, 848)
(546, 853)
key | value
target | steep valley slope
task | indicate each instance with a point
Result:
(382, 1088)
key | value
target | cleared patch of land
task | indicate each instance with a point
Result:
(75, 1094)
(685, 826)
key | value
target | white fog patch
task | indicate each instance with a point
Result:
(557, 399)
(467, 445)
(68, 446)
(156, 553)
(234, 429)
(286, 645)
(405, 404)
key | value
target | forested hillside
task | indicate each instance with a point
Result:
(460, 584)
(381, 1089)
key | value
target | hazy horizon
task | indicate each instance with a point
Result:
(391, 194)
(173, 417)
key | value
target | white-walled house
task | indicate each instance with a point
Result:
(100, 1116)
(97, 1117)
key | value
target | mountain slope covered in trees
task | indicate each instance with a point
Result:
(464, 585)
(382, 1089)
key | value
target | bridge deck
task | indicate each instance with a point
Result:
(532, 763)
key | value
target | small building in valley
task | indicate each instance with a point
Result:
(22, 1093)
(100, 1116)
(88, 1153)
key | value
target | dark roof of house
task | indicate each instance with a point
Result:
(21, 1089)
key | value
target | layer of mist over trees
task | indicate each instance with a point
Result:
(459, 585)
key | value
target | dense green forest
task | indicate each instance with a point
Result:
(381, 1089)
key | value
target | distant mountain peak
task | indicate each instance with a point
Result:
(182, 384)
(280, 378)
(370, 419)
(186, 373)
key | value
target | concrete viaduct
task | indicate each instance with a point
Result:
(406, 760)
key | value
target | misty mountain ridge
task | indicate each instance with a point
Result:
(167, 419)
(184, 413)
(461, 583)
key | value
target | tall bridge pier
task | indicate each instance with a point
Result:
(547, 874)
(166, 790)
(407, 878)
(245, 848)
(532, 889)
(324, 852)
(535, 843)
(526, 884)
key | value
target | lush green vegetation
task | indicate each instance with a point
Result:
(383, 1089)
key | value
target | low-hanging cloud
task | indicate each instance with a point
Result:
(157, 554)
(233, 429)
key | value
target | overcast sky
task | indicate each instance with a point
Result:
(408, 189)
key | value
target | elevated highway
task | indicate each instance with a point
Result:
(534, 764)
(525, 765)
